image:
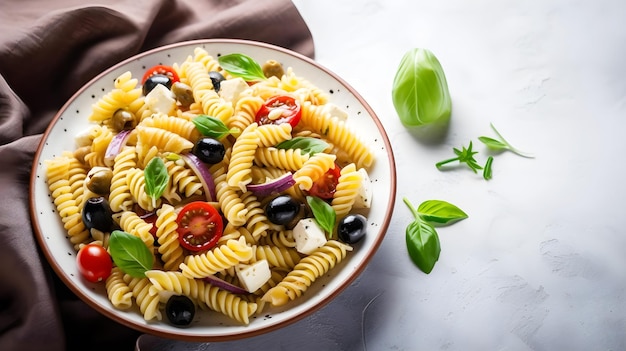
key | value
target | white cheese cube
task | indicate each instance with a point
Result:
(336, 111)
(161, 100)
(364, 194)
(308, 236)
(253, 276)
(231, 88)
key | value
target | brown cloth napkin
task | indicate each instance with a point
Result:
(48, 50)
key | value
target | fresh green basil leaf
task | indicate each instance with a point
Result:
(487, 173)
(130, 254)
(212, 127)
(307, 145)
(240, 65)
(441, 212)
(420, 91)
(492, 143)
(156, 177)
(324, 214)
(423, 245)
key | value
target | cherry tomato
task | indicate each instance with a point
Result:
(94, 263)
(200, 226)
(325, 186)
(278, 110)
(161, 69)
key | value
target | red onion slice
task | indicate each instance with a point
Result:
(277, 185)
(115, 146)
(222, 284)
(203, 174)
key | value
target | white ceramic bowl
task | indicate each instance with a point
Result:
(208, 325)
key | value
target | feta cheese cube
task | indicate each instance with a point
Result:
(308, 236)
(230, 89)
(161, 100)
(336, 111)
(253, 276)
(364, 194)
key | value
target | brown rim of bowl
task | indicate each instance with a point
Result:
(182, 335)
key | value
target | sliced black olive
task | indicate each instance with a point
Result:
(180, 310)
(155, 80)
(216, 79)
(97, 214)
(352, 228)
(209, 150)
(283, 209)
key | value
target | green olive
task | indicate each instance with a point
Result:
(99, 180)
(123, 119)
(183, 94)
(81, 152)
(273, 68)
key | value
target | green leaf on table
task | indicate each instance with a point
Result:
(502, 144)
(423, 245)
(130, 254)
(441, 212)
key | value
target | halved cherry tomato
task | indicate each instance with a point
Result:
(325, 186)
(200, 226)
(161, 69)
(278, 110)
(94, 263)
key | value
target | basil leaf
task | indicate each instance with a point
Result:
(423, 245)
(438, 211)
(324, 214)
(130, 254)
(487, 170)
(307, 145)
(420, 90)
(240, 65)
(212, 127)
(493, 143)
(156, 177)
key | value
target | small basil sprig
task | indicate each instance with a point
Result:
(212, 127)
(324, 214)
(501, 144)
(156, 177)
(307, 145)
(240, 65)
(130, 254)
(466, 155)
(422, 240)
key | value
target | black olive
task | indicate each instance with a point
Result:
(216, 79)
(352, 228)
(180, 310)
(97, 214)
(155, 80)
(209, 150)
(282, 209)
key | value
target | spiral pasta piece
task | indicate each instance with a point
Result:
(256, 220)
(164, 140)
(120, 198)
(286, 159)
(102, 136)
(218, 259)
(180, 126)
(280, 257)
(245, 112)
(118, 291)
(147, 301)
(136, 182)
(169, 247)
(313, 169)
(347, 190)
(297, 281)
(131, 223)
(124, 94)
(242, 158)
(183, 179)
(273, 134)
